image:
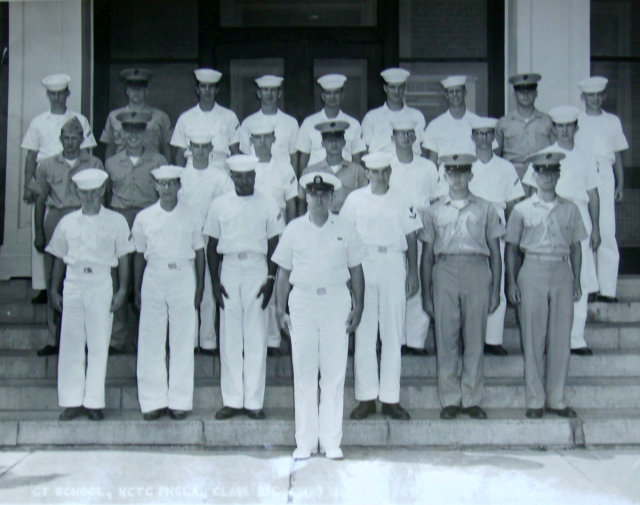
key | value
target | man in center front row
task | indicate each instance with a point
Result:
(243, 227)
(387, 225)
(461, 272)
(317, 254)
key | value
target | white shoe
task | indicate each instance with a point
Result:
(300, 454)
(334, 453)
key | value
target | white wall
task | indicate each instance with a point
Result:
(45, 37)
(552, 38)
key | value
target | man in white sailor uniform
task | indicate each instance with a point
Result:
(317, 254)
(387, 226)
(168, 284)
(243, 228)
(90, 242)
(207, 114)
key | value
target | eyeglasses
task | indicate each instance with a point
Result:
(167, 183)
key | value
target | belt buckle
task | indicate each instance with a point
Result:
(242, 256)
(382, 249)
(87, 270)
(173, 266)
(321, 291)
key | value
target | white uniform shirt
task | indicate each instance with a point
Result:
(99, 239)
(601, 135)
(278, 180)
(417, 181)
(167, 236)
(219, 122)
(285, 128)
(381, 220)
(377, 130)
(43, 134)
(310, 140)
(243, 223)
(448, 135)
(319, 256)
(199, 187)
(578, 174)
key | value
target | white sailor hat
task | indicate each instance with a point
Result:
(546, 160)
(395, 75)
(525, 80)
(377, 160)
(454, 80)
(330, 82)
(56, 82)
(261, 127)
(483, 123)
(460, 162)
(269, 81)
(90, 178)
(564, 114)
(165, 172)
(322, 181)
(207, 75)
(200, 136)
(594, 84)
(242, 162)
(403, 124)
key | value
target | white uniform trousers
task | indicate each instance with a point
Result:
(385, 306)
(38, 281)
(588, 283)
(205, 334)
(86, 321)
(495, 321)
(608, 256)
(168, 291)
(417, 320)
(243, 337)
(319, 344)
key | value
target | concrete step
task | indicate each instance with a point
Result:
(503, 428)
(16, 289)
(581, 392)
(604, 363)
(22, 312)
(607, 335)
(628, 286)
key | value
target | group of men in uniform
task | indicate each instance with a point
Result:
(319, 232)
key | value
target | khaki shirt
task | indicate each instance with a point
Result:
(351, 176)
(465, 230)
(545, 227)
(53, 176)
(133, 184)
(518, 137)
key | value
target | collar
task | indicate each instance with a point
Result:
(387, 109)
(331, 219)
(537, 202)
(514, 114)
(471, 198)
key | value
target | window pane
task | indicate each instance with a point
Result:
(280, 13)
(611, 28)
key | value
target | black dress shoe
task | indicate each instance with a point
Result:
(395, 411)
(404, 350)
(363, 410)
(606, 299)
(274, 351)
(255, 413)
(450, 412)
(177, 415)
(534, 413)
(415, 351)
(582, 351)
(41, 298)
(48, 350)
(95, 414)
(592, 297)
(475, 412)
(228, 412)
(71, 413)
(153, 415)
(207, 352)
(565, 412)
(496, 350)
(115, 351)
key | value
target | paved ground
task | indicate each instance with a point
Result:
(368, 476)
